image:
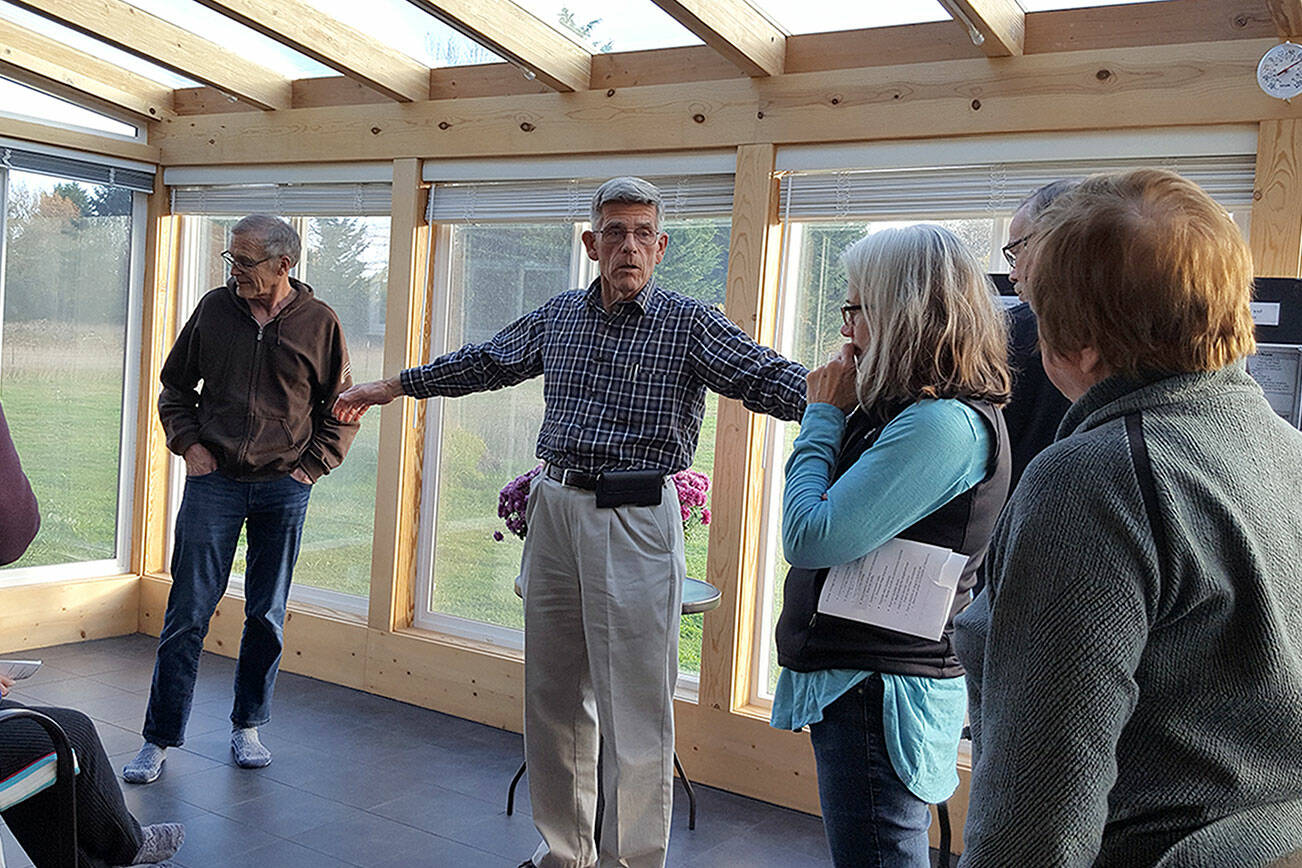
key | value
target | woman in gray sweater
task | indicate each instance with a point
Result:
(1135, 664)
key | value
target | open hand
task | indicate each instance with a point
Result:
(353, 402)
(834, 382)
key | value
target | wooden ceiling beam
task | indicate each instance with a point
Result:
(734, 29)
(328, 40)
(1145, 86)
(515, 34)
(1001, 24)
(136, 31)
(1287, 15)
(51, 66)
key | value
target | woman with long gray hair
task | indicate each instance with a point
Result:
(902, 438)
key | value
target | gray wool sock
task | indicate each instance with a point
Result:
(159, 842)
(249, 751)
(147, 765)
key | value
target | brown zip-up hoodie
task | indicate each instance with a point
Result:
(265, 405)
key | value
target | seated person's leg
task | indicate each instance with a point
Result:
(107, 834)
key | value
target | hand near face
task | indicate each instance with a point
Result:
(834, 382)
(353, 402)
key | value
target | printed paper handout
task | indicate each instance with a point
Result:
(902, 585)
(19, 669)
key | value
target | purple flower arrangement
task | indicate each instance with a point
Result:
(692, 490)
(511, 503)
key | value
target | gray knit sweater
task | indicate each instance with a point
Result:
(1132, 706)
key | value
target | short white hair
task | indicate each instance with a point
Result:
(275, 236)
(626, 188)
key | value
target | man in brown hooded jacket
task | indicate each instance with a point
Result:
(271, 359)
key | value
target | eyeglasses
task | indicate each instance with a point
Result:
(1013, 249)
(613, 235)
(848, 311)
(241, 262)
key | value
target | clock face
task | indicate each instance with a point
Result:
(1280, 71)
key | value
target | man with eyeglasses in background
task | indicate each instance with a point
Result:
(1036, 407)
(625, 366)
(271, 358)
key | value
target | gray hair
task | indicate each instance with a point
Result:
(933, 328)
(1042, 197)
(626, 189)
(275, 236)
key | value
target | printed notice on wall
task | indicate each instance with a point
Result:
(903, 585)
(1276, 370)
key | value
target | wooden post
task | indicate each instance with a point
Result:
(735, 503)
(1277, 201)
(397, 487)
(158, 318)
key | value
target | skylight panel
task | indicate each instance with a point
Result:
(821, 16)
(412, 31)
(92, 46)
(600, 27)
(231, 35)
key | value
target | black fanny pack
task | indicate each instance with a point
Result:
(629, 488)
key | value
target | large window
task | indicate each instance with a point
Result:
(824, 212)
(486, 275)
(71, 257)
(345, 261)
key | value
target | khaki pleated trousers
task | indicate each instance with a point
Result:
(602, 602)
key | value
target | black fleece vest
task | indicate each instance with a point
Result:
(809, 640)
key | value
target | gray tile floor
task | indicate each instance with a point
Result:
(357, 779)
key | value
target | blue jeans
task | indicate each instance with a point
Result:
(208, 524)
(870, 817)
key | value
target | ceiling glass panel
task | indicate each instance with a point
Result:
(93, 46)
(1045, 5)
(821, 16)
(416, 33)
(233, 36)
(629, 25)
(21, 101)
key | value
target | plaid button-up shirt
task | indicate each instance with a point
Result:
(623, 390)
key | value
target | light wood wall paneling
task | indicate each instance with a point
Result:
(90, 143)
(1001, 24)
(734, 532)
(735, 29)
(158, 317)
(140, 33)
(1287, 15)
(660, 66)
(397, 495)
(1277, 200)
(1208, 83)
(511, 31)
(318, 643)
(310, 31)
(54, 613)
(1161, 23)
(51, 66)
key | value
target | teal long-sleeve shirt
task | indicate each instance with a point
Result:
(927, 455)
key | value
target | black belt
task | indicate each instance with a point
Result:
(577, 478)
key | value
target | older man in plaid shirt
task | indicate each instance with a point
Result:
(625, 366)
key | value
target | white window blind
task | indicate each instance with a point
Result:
(569, 200)
(44, 162)
(286, 200)
(956, 191)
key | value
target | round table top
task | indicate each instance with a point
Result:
(698, 596)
